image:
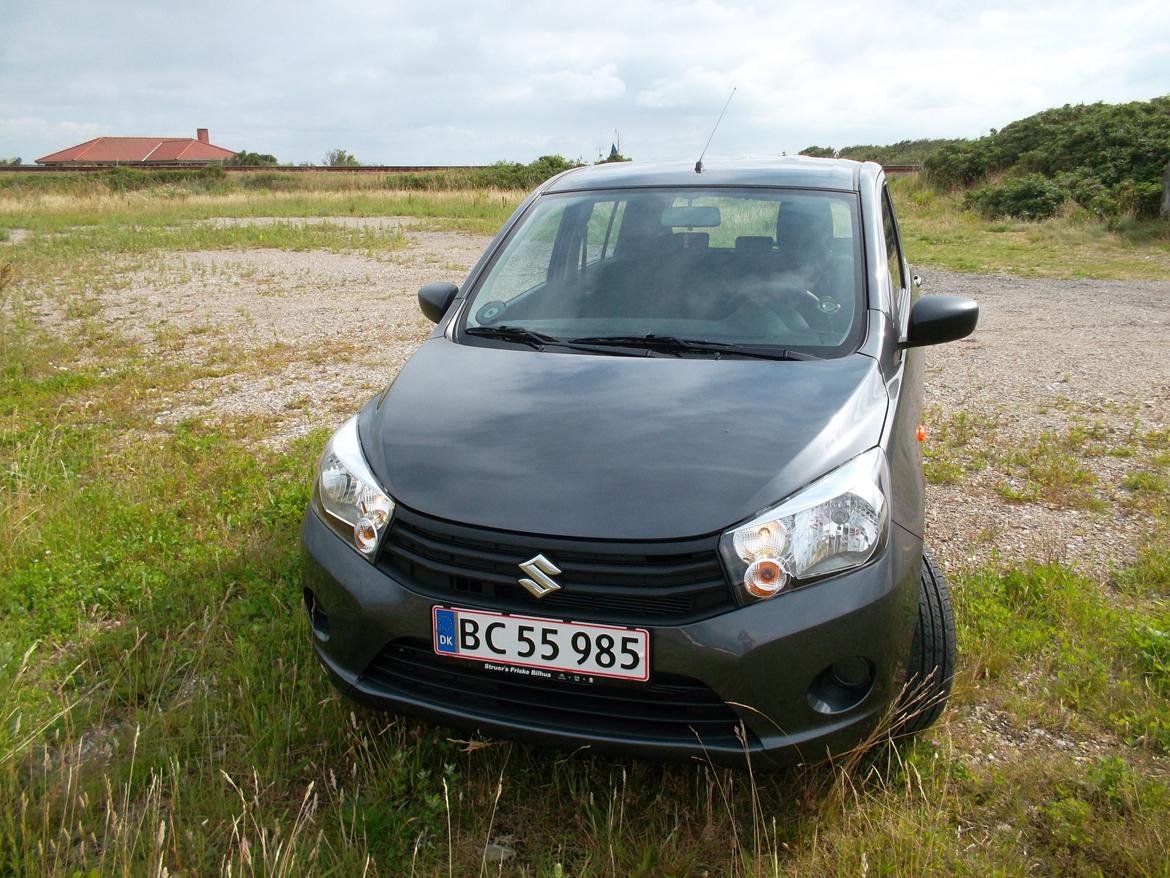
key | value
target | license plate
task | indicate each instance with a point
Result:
(543, 644)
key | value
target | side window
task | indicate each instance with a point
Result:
(842, 221)
(893, 250)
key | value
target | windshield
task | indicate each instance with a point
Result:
(749, 270)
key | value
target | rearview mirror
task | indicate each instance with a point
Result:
(435, 298)
(938, 319)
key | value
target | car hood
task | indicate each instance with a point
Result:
(608, 447)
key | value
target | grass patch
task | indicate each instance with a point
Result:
(942, 472)
(477, 211)
(937, 230)
(161, 708)
(1091, 659)
(1050, 470)
(956, 445)
(1146, 482)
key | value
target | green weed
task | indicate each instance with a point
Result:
(1049, 470)
(1146, 481)
(956, 445)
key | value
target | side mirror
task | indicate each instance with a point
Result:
(938, 319)
(435, 298)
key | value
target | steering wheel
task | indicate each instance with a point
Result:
(806, 303)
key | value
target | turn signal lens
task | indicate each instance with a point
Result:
(365, 535)
(764, 578)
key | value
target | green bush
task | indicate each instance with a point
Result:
(243, 158)
(957, 165)
(501, 175)
(127, 179)
(215, 178)
(904, 152)
(1109, 158)
(514, 175)
(210, 178)
(1031, 197)
(271, 181)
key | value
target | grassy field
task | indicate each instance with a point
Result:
(161, 711)
(938, 232)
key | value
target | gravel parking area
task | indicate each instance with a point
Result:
(313, 334)
(303, 338)
(1050, 356)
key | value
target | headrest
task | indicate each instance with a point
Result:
(805, 224)
(753, 244)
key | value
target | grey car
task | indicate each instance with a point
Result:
(654, 484)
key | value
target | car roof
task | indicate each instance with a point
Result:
(800, 172)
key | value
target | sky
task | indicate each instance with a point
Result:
(440, 82)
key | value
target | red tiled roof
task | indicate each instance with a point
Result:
(139, 149)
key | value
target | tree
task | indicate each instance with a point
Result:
(819, 152)
(13, 162)
(339, 158)
(253, 159)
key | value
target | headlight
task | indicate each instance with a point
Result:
(354, 505)
(834, 524)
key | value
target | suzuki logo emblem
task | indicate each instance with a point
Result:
(542, 572)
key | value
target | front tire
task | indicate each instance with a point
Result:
(931, 667)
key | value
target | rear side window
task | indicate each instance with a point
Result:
(602, 231)
(893, 249)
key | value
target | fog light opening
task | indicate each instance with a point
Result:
(852, 672)
(318, 619)
(842, 685)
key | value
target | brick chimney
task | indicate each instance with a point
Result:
(201, 135)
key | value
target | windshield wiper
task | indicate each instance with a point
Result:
(540, 340)
(673, 344)
(518, 334)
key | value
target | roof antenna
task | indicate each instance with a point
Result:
(699, 163)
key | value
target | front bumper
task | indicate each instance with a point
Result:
(767, 663)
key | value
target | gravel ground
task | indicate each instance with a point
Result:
(303, 338)
(1048, 355)
(328, 330)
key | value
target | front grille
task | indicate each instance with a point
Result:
(671, 581)
(668, 709)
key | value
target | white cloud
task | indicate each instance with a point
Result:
(595, 85)
(448, 81)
